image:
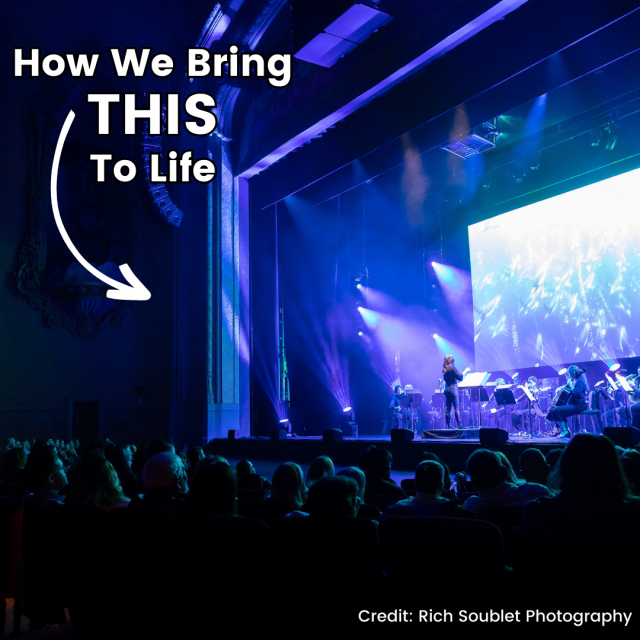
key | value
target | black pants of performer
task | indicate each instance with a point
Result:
(451, 399)
(488, 416)
(560, 414)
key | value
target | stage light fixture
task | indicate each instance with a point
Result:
(284, 420)
(435, 335)
(360, 333)
(346, 409)
(486, 180)
(596, 136)
(562, 371)
(614, 367)
(482, 139)
(359, 286)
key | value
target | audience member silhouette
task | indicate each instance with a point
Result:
(319, 468)
(333, 497)
(594, 492)
(96, 483)
(490, 477)
(214, 490)
(287, 486)
(534, 467)
(428, 501)
(165, 485)
(376, 463)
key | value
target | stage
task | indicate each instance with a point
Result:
(406, 455)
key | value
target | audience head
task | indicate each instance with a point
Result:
(194, 455)
(244, 466)
(96, 482)
(590, 468)
(511, 474)
(160, 446)
(632, 474)
(165, 471)
(429, 477)
(119, 456)
(288, 484)
(319, 468)
(13, 459)
(360, 479)
(333, 497)
(10, 443)
(429, 455)
(486, 469)
(44, 471)
(376, 463)
(533, 466)
(214, 487)
(552, 458)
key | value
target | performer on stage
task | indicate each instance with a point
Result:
(451, 378)
(577, 402)
(635, 408)
(395, 406)
(491, 409)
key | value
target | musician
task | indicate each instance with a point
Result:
(522, 402)
(635, 408)
(394, 405)
(491, 409)
(577, 402)
(451, 378)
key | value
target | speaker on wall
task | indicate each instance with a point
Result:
(493, 437)
(399, 436)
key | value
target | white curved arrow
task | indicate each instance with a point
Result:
(135, 290)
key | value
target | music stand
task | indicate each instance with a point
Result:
(412, 401)
(475, 382)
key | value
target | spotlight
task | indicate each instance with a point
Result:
(358, 286)
(360, 333)
(562, 371)
(347, 409)
(614, 367)
(519, 172)
(486, 180)
(284, 420)
(596, 136)
(435, 335)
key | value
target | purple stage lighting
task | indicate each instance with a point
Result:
(435, 335)
(614, 367)
(284, 420)
(359, 286)
(347, 409)
(360, 333)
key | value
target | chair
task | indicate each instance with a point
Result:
(382, 502)
(316, 557)
(440, 559)
(265, 510)
(585, 567)
(251, 494)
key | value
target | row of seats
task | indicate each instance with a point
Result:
(136, 570)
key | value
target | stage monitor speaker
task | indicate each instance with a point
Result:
(332, 435)
(278, 434)
(493, 437)
(398, 436)
(624, 437)
(231, 434)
